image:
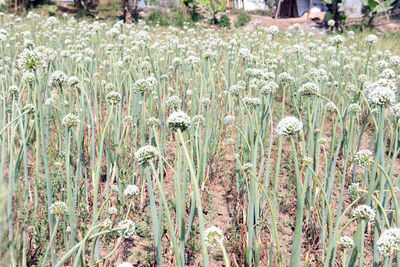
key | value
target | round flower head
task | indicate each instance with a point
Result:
(285, 78)
(395, 111)
(247, 167)
(389, 241)
(363, 158)
(289, 126)
(29, 109)
(268, 88)
(346, 242)
(173, 102)
(112, 211)
(371, 40)
(229, 120)
(307, 161)
(70, 120)
(364, 212)
(58, 208)
(127, 228)
(354, 190)
(27, 78)
(337, 40)
(331, 23)
(252, 102)
(125, 264)
(113, 98)
(178, 120)
(330, 107)
(31, 59)
(114, 188)
(354, 108)
(107, 223)
(13, 91)
(131, 190)
(141, 86)
(57, 78)
(73, 81)
(309, 89)
(212, 236)
(236, 89)
(152, 121)
(145, 154)
(273, 30)
(381, 96)
(198, 120)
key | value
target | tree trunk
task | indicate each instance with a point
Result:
(127, 12)
(15, 6)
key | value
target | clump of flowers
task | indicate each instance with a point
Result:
(330, 107)
(346, 242)
(371, 40)
(113, 98)
(364, 212)
(389, 241)
(354, 190)
(57, 78)
(13, 91)
(252, 102)
(113, 210)
(285, 78)
(152, 121)
(363, 158)
(127, 228)
(198, 120)
(309, 89)
(395, 110)
(289, 126)
(29, 109)
(236, 89)
(229, 120)
(212, 236)
(70, 120)
(354, 108)
(125, 264)
(173, 102)
(381, 96)
(178, 120)
(31, 60)
(58, 208)
(131, 190)
(268, 88)
(107, 223)
(145, 154)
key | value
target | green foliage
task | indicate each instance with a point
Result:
(174, 17)
(374, 8)
(52, 9)
(224, 21)
(243, 19)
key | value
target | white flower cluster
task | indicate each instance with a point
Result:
(173, 102)
(113, 98)
(395, 110)
(212, 236)
(57, 78)
(144, 85)
(125, 264)
(58, 208)
(363, 158)
(268, 88)
(389, 241)
(381, 96)
(229, 120)
(145, 154)
(29, 109)
(152, 121)
(251, 102)
(330, 107)
(236, 89)
(285, 78)
(131, 190)
(309, 89)
(289, 126)
(70, 120)
(127, 228)
(178, 120)
(346, 242)
(31, 59)
(371, 40)
(198, 120)
(354, 108)
(364, 212)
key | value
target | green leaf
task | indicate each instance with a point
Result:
(372, 4)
